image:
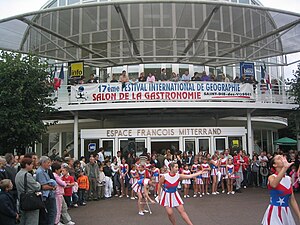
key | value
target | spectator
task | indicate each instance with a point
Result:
(113, 79)
(92, 79)
(186, 76)
(54, 154)
(83, 187)
(108, 179)
(8, 209)
(3, 172)
(238, 168)
(92, 172)
(101, 183)
(244, 79)
(48, 216)
(11, 173)
(82, 162)
(142, 77)
(196, 77)
(69, 180)
(151, 78)
(224, 78)
(59, 192)
(116, 176)
(163, 75)
(175, 77)
(237, 80)
(204, 76)
(101, 155)
(27, 217)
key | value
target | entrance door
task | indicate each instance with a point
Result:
(221, 144)
(162, 146)
(108, 146)
(235, 144)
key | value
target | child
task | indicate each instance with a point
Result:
(70, 183)
(205, 167)
(293, 175)
(194, 169)
(230, 176)
(141, 187)
(75, 195)
(155, 176)
(133, 178)
(214, 162)
(59, 192)
(83, 187)
(124, 170)
(186, 182)
(223, 163)
(8, 210)
(101, 183)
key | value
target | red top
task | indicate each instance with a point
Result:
(68, 190)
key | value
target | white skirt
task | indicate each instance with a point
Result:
(186, 181)
(170, 199)
(278, 215)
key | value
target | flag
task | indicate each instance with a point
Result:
(61, 73)
(266, 76)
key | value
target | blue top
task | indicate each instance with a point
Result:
(43, 178)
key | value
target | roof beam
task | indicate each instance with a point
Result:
(129, 36)
(247, 43)
(201, 31)
(31, 23)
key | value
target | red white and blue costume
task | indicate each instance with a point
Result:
(214, 168)
(138, 186)
(205, 166)
(155, 174)
(124, 168)
(278, 212)
(230, 171)
(186, 181)
(223, 163)
(169, 194)
(133, 174)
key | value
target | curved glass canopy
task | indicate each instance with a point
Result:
(111, 33)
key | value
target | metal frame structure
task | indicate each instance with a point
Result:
(192, 44)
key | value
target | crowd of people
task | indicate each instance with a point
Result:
(68, 183)
(186, 76)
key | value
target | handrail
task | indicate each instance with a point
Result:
(260, 93)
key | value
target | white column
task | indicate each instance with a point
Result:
(212, 145)
(60, 140)
(148, 145)
(181, 144)
(116, 146)
(249, 133)
(76, 135)
(81, 147)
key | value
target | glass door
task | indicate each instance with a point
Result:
(204, 145)
(134, 145)
(221, 143)
(235, 144)
(108, 145)
(189, 146)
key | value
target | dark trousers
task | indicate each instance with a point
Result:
(47, 216)
(116, 183)
(68, 200)
(81, 196)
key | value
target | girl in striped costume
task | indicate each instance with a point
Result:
(168, 195)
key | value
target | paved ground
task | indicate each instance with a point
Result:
(246, 208)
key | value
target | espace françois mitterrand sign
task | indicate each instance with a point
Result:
(162, 132)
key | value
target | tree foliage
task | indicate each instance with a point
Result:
(295, 86)
(24, 99)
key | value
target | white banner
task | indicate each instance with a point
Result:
(161, 91)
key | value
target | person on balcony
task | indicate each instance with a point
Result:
(142, 77)
(163, 75)
(186, 76)
(175, 77)
(151, 78)
(204, 76)
(196, 77)
(92, 79)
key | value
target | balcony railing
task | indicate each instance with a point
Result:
(100, 93)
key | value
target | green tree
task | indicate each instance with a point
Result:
(24, 99)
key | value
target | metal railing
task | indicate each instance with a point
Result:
(260, 94)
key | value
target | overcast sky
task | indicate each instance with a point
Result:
(14, 7)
